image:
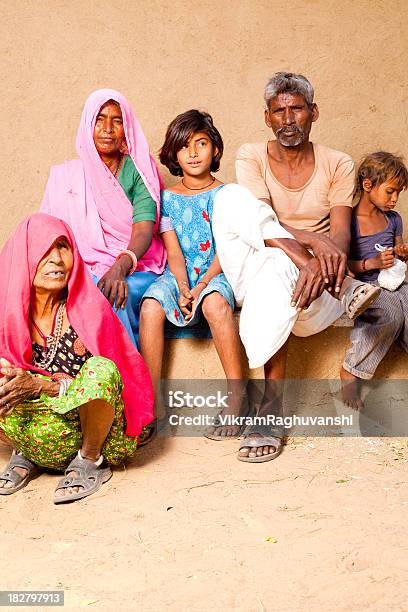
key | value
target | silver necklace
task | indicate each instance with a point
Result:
(53, 340)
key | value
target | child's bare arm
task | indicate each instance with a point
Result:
(400, 249)
(213, 270)
(177, 265)
(383, 260)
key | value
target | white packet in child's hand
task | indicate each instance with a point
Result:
(391, 278)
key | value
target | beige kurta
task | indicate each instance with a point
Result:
(308, 207)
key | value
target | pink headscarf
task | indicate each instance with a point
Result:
(89, 313)
(85, 194)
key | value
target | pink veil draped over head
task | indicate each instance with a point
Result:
(85, 194)
(89, 313)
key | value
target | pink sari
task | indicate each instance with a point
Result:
(88, 312)
(85, 194)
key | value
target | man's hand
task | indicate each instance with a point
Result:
(333, 261)
(401, 251)
(114, 285)
(382, 261)
(310, 284)
(16, 386)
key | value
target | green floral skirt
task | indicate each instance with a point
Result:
(48, 430)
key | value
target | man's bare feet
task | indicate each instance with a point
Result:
(264, 440)
(257, 452)
(350, 389)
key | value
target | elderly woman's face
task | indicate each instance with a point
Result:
(55, 267)
(109, 134)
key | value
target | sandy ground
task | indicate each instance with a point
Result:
(188, 527)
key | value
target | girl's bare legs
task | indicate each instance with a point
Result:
(275, 370)
(220, 318)
(350, 385)
(151, 337)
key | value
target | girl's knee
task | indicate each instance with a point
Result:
(215, 306)
(151, 309)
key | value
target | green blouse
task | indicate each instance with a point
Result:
(144, 207)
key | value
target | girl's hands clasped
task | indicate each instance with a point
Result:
(188, 299)
(185, 300)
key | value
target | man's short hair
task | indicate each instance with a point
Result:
(288, 82)
(382, 167)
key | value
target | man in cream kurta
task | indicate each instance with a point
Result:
(308, 188)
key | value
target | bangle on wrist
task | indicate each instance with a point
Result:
(132, 257)
(203, 282)
(63, 386)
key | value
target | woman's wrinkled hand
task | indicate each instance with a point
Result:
(114, 285)
(16, 386)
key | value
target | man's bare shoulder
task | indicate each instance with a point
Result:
(254, 150)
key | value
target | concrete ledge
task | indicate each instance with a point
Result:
(318, 356)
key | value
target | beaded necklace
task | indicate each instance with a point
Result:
(51, 341)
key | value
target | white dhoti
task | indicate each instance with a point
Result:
(263, 278)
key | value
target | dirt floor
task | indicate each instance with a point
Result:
(188, 527)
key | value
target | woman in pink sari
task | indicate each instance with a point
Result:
(74, 392)
(110, 197)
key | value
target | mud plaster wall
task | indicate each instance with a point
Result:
(167, 57)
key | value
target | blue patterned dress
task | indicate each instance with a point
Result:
(190, 217)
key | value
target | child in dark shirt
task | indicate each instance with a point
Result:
(381, 177)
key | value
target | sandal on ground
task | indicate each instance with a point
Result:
(264, 439)
(17, 460)
(358, 297)
(217, 423)
(90, 477)
(149, 433)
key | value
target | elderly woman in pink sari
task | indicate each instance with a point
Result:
(110, 197)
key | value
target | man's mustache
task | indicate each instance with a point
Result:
(289, 130)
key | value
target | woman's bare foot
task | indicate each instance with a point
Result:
(69, 491)
(6, 484)
(350, 388)
(17, 474)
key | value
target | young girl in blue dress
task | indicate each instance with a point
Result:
(192, 287)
